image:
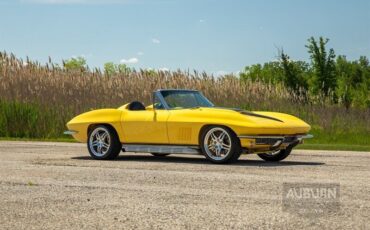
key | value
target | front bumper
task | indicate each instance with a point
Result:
(271, 142)
(70, 132)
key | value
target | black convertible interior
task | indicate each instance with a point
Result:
(136, 105)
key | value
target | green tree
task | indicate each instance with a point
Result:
(345, 84)
(353, 85)
(123, 68)
(269, 72)
(110, 68)
(365, 66)
(295, 75)
(78, 63)
(323, 65)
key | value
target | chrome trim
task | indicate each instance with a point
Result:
(161, 98)
(277, 137)
(307, 136)
(277, 144)
(161, 148)
(70, 132)
(276, 141)
(261, 137)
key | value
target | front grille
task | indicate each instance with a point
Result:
(267, 141)
(290, 139)
(273, 140)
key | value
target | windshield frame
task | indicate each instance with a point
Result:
(159, 95)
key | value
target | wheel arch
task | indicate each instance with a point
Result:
(92, 126)
(204, 127)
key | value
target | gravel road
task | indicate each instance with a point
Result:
(58, 186)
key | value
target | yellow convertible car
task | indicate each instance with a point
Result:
(185, 121)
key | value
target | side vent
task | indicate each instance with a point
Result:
(184, 134)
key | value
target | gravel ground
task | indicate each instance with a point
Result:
(58, 186)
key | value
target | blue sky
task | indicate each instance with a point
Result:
(206, 35)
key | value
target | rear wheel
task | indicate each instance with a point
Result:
(220, 145)
(276, 156)
(103, 143)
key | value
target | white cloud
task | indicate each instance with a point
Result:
(133, 60)
(201, 20)
(140, 53)
(155, 41)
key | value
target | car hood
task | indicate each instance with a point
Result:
(259, 119)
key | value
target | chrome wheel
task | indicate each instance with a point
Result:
(99, 141)
(217, 143)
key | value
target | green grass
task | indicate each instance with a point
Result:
(356, 136)
(356, 139)
(344, 147)
(337, 138)
(31, 120)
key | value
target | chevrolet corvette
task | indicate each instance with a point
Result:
(186, 122)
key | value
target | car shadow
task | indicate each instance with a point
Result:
(201, 160)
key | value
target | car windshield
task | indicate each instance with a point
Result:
(178, 99)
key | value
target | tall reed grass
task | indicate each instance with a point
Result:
(37, 100)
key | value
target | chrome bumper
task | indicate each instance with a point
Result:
(276, 141)
(277, 136)
(70, 132)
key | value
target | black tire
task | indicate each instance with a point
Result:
(160, 154)
(278, 156)
(110, 152)
(234, 151)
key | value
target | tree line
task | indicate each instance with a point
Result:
(326, 76)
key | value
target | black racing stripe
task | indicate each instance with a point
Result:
(248, 113)
(259, 115)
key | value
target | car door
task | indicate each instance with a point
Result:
(183, 127)
(146, 126)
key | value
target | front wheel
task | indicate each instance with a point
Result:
(220, 144)
(276, 156)
(103, 143)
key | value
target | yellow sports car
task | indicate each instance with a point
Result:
(185, 121)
